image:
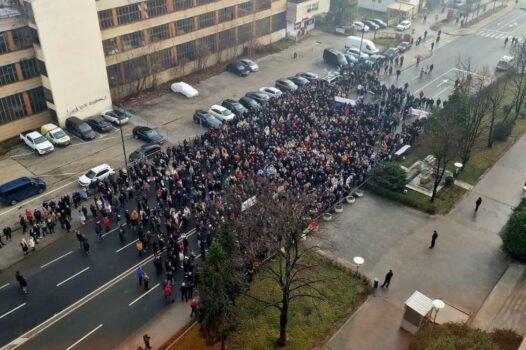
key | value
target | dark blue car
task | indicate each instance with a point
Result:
(19, 189)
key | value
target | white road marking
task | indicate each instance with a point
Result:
(71, 277)
(441, 92)
(22, 155)
(84, 337)
(52, 261)
(143, 295)
(63, 174)
(110, 231)
(5, 285)
(13, 310)
(126, 246)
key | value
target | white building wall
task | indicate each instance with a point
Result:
(375, 5)
(72, 50)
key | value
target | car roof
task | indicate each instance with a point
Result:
(142, 128)
(150, 145)
(100, 167)
(34, 134)
(221, 108)
(13, 183)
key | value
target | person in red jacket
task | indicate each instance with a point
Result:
(193, 306)
(106, 223)
(168, 292)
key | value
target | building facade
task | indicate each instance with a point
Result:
(301, 15)
(87, 52)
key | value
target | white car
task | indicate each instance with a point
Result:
(184, 89)
(251, 65)
(360, 26)
(100, 172)
(404, 25)
(115, 117)
(356, 52)
(272, 91)
(37, 142)
(221, 113)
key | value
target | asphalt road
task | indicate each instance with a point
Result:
(90, 302)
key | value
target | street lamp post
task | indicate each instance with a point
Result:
(361, 40)
(123, 148)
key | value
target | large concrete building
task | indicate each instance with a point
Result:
(62, 58)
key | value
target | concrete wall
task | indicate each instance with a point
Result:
(375, 5)
(298, 12)
(12, 129)
(72, 50)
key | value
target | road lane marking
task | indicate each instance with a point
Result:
(52, 261)
(126, 246)
(5, 285)
(84, 337)
(110, 231)
(143, 295)
(71, 277)
(13, 310)
(441, 92)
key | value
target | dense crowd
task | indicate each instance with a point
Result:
(304, 140)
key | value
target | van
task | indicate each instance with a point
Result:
(367, 45)
(80, 128)
(19, 189)
(334, 58)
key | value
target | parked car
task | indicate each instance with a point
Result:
(221, 113)
(99, 124)
(98, 173)
(144, 151)
(379, 22)
(236, 107)
(116, 117)
(204, 118)
(334, 58)
(251, 65)
(308, 75)
(272, 91)
(356, 52)
(184, 89)
(80, 128)
(238, 69)
(351, 59)
(360, 26)
(19, 189)
(55, 135)
(372, 25)
(259, 97)
(404, 46)
(374, 60)
(404, 25)
(148, 135)
(248, 102)
(300, 81)
(390, 53)
(37, 142)
(505, 63)
(286, 85)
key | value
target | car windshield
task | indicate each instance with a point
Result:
(150, 133)
(240, 67)
(225, 112)
(90, 174)
(84, 127)
(59, 134)
(210, 118)
(40, 139)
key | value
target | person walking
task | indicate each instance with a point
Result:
(193, 306)
(168, 292)
(79, 238)
(23, 223)
(140, 275)
(106, 223)
(145, 280)
(85, 243)
(433, 239)
(98, 230)
(21, 281)
(478, 203)
(184, 292)
(506, 41)
(7, 232)
(139, 247)
(387, 279)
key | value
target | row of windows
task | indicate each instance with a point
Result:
(22, 39)
(153, 8)
(28, 68)
(13, 107)
(142, 66)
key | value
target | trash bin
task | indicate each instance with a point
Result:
(375, 283)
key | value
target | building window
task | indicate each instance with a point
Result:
(132, 40)
(186, 52)
(159, 33)
(29, 11)
(129, 13)
(37, 100)
(244, 33)
(8, 74)
(204, 2)
(206, 45)
(279, 21)
(206, 20)
(34, 36)
(22, 38)
(110, 47)
(182, 4)
(114, 75)
(245, 8)
(12, 108)
(136, 68)
(29, 68)
(48, 95)
(161, 60)
(156, 8)
(227, 38)
(105, 19)
(41, 66)
(263, 27)
(262, 5)
(3, 43)
(185, 26)
(226, 14)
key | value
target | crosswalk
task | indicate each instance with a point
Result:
(494, 34)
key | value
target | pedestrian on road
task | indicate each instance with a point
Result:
(168, 292)
(7, 232)
(184, 292)
(79, 238)
(432, 46)
(121, 234)
(82, 217)
(433, 239)
(401, 61)
(417, 60)
(21, 281)
(106, 223)
(506, 41)
(425, 35)
(98, 230)
(398, 72)
(387, 279)
(145, 280)
(85, 243)
(23, 223)
(24, 245)
(478, 203)
(193, 306)
(146, 338)
(140, 275)
(139, 247)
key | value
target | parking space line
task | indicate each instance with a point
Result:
(126, 246)
(71, 277)
(5, 285)
(143, 295)
(12, 310)
(84, 337)
(54, 260)
(110, 231)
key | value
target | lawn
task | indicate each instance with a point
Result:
(310, 322)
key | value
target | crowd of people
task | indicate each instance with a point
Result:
(303, 141)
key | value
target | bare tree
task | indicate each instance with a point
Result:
(496, 92)
(518, 77)
(203, 54)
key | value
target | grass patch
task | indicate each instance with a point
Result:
(283, 44)
(310, 322)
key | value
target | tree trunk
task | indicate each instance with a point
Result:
(283, 320)
(490, 132)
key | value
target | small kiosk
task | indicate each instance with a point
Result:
(417, 308)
